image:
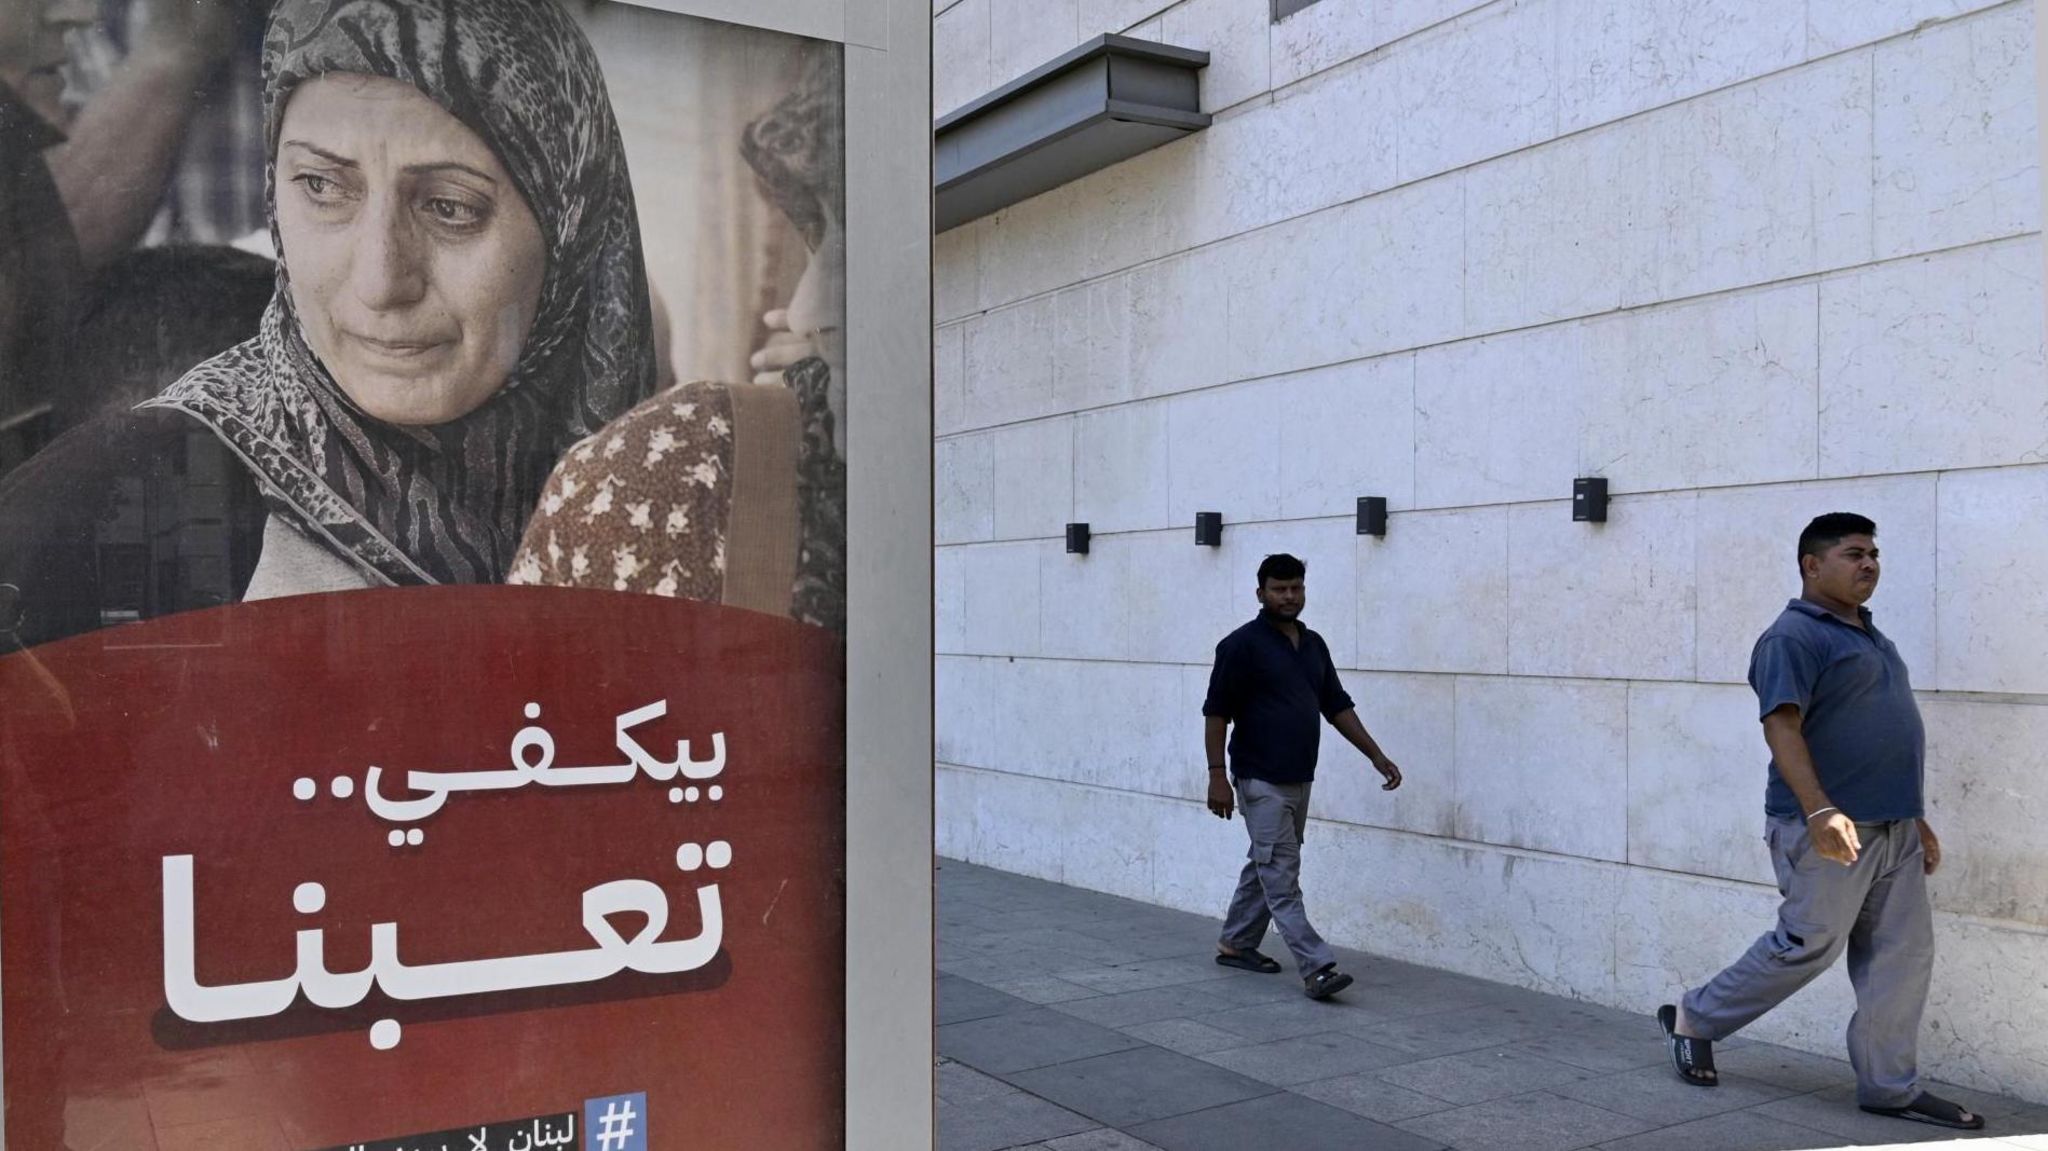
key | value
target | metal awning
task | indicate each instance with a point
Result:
(1106, 101)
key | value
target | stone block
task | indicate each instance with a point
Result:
(1610, 601)
(1178, 599)
(1414, 720)
(1092, 348)
(1958, 134)
(1433, 595)
(1031, 491)
(1544, 765)
(1703, 394)
(1761, 182)
(1009, 363)
(1322, 35)
(963, 504)
(1120, 458)
(949, 378)
(1322, 289)
(956, 272)
(1233, 33)
(1352, 434)
(1223, 452)
(1000, 596)
(1026, 33)
(1179, 329)
(1934, 362)
(1747, 542)
(960, 55)
(1483, 86)
(1498, 419)
(1085, 617)
(1832, 28)
(1551, 231)
(1992, 612)
(1696, 770)
(1986, 763)
(1620, 57)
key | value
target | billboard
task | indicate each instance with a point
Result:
(429, 432)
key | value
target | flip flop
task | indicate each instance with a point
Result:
(1935, 1111)
(1249, 960)
(1325, 983)
(1692, 1058)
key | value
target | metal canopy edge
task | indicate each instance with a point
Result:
(1106, 101)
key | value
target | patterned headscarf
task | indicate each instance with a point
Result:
(446, 504)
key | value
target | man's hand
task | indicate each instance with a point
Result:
(784, 349)
(1929, 846)
(1834, 837)
(1222, 800)
(1386, 768)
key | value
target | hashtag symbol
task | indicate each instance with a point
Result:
(615, 1126)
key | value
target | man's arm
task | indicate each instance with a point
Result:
(1221, 799)
(1352, 728)
(112, 170)
(1834, 833)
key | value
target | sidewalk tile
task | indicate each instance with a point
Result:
(1306, 1058)
(1535, 1122)
(1657, 1095)
(1132, 1087)
(1148, 1006)
(1004, 1121)
(1477, 1076)
(1279, 1121)
(1034, 1038)
(1734, 1131)
(1373, 1097)
(960, 1000)
(1184, 1035)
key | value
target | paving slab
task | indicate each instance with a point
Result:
(1535, 1122)
(1002, 1121)
(960, 1000)
(1128, 1088)
(1279, 1121)
(1306, 1058)
(1477, 1076)
(1026, 1039)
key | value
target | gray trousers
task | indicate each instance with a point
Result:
(1269, 888)
(1876, 910)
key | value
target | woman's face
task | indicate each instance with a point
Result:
(416, 265)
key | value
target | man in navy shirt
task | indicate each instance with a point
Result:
(1844, 826)
(1274, 680)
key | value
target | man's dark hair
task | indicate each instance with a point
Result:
(1828, 530)
(1281, 567)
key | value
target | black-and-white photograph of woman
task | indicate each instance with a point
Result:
(449, 351)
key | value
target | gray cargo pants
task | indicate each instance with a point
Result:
(1875, 909)
(1269, 888)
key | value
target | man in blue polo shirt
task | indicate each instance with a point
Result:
(1844, 826)
(1274, 680)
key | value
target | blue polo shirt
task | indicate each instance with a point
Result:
(1856, 709)
(1273, 693)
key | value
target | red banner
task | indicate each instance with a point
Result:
(335, 870)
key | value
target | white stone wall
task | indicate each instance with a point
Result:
(1752, 260)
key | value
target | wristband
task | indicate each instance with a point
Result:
(1216, 767)
(1821, 812)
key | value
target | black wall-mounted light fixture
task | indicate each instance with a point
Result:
(1209, 529)
(1589, 499)
(1372, 515)
(1077, 539)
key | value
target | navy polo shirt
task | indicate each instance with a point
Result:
(1273, 693)
(1856, 710)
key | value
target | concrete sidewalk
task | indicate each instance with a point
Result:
(1072, 1021)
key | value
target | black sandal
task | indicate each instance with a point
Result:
(1325, 983)
(1249, 960)
(1933, 1110)
(1692, 1058)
